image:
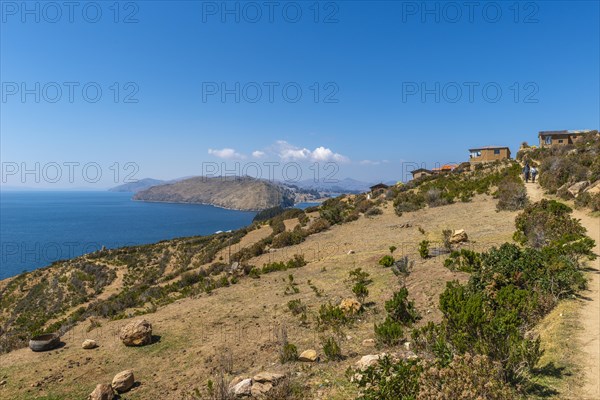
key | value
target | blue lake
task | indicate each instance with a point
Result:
(38, 228)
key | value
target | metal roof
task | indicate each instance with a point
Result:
(489, 148)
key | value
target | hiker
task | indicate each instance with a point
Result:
(526, 171)
(533, 174)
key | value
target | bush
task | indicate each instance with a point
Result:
(331, 316)
(360, 291)
(373, 211)
(332, 349)
(424, 249)
(296, 306)
(512, 195)
(463, 260)
(389, 332)
(289, 353)
(407, 202)
(386, 261)
(400, 309)
(390, 380)
(466, 377)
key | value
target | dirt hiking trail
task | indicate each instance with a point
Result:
(589, 335)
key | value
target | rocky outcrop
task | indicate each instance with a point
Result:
(229, 192)
(575, 189)
(593, 189)
(136, 333)
(102, 392)
(123, 381)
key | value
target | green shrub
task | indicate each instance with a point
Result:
(332, 349)
(463, 260)
(389, 332)
(511, 195)
(468, 376)
(296, 306)
(373, 211)
(289, 353)
(360, 291)
(331, 316)
(390, 380)
(386, 261)
(424, 249)
(400, 309)
(407, 202)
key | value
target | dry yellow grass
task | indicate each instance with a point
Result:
(234, 327)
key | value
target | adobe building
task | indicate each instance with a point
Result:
(417, 173)
(559, 138)
(488, 154)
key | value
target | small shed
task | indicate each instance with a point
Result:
(417, 173)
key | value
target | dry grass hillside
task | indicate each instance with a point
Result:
(235, 328)
(228, 306)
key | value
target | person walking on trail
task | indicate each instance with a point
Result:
(534, 173)
(526, 171)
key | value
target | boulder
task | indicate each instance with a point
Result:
(459, 236)
(576, 188)
(102, 392)
(309, 356)
(123, 381)
(241, 388)
(89, 344)
(350, 306)
(351, 252)
(136, 333)
(368, 360)
(271, 377)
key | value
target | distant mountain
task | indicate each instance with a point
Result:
(134, 187)
(347, 185)
(238, 193)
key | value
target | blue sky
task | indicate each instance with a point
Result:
(385, 85)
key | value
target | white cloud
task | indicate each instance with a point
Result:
(258, 154)
(289, 152)
(226, 153)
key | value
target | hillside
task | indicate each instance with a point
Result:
(244, 193)
(232, 305)
(137, 186)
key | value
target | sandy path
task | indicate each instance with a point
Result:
(589, 335)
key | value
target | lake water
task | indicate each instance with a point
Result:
(38, 228)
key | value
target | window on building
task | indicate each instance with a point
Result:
(548, 139)
(496, 151)
(560, 140)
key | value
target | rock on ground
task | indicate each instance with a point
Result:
(309, 356)
(368, 360)
(350, 306)
(459, 236)
(242, 388)
(102, 392)
(136, 333)
(89, 344)
(123, 381)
